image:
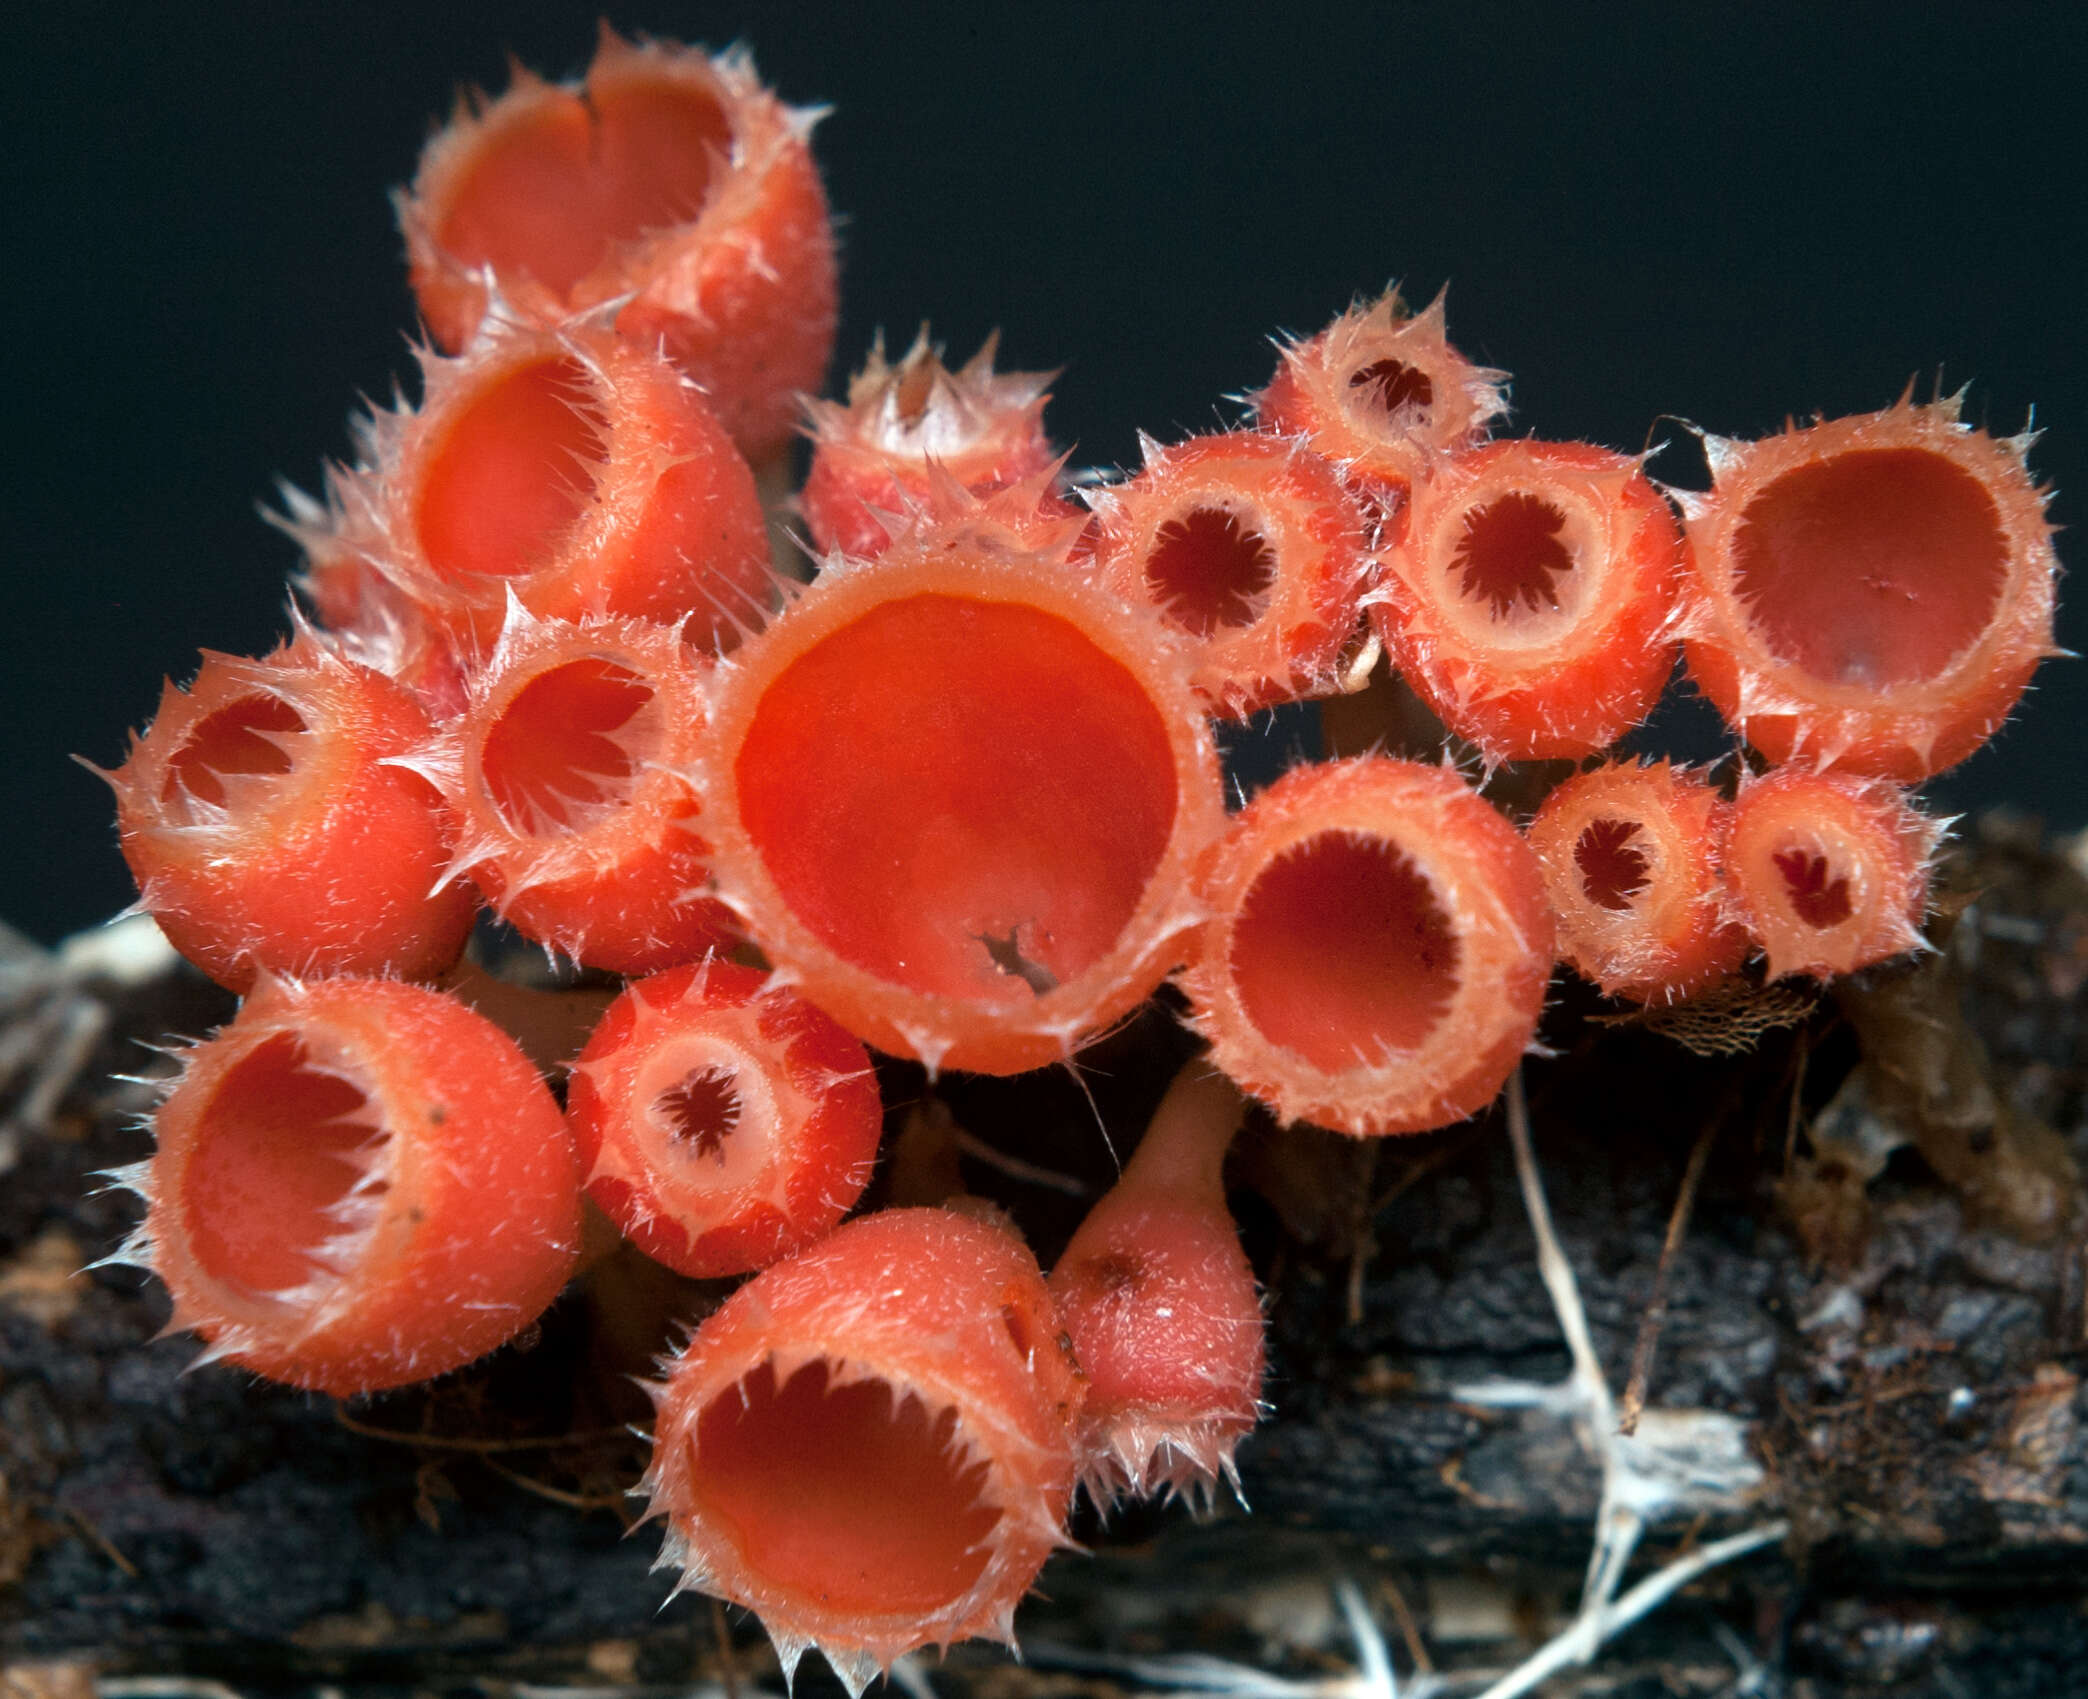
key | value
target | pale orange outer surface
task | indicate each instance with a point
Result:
(1633, 857)
(1829, 871)
(776, 1171)
(1378, 947)
(266, 828)
(1570, 644)
(668, 176)
(1255, 645)
(472, 1233)
(1870, 593)
(821, 1519)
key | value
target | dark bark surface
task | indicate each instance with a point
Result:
(1876, 1309)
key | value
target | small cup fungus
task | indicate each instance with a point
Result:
(1383, 395)
(1828, 870)
(956, 793)
(567, 774)
(1870, 593)
(906, 427)
(1632, 854)
(868, 1444)
(669, 183)
(722, 1123)
(1531, 599)
(1247, 544)
(358, 1184)
(1377, 949)
(268, 826)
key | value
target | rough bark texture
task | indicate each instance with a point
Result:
(1878, 1298)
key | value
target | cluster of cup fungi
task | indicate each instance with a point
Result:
(957, 799)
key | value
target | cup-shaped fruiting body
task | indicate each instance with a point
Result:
(1633, 856)
(266, 827)
(868, 1444)
(358, 1184)
(1383, 395)
(581, 472)
(956, 793)
(1378, 947)
(567, 774)
(1829, 871)
(669, 182)
(1531, 601)
(723, 1123)
(1249, 545)
(1162, 1310)
(874, 457)
(1870, 593)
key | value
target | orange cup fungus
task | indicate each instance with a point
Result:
(1384, 396)
(1870, 593)
(1162, 1310)
(910, 430)
(567, 776)
(581, 473)
(1828, 870)
(1632, 856)
(867, 1445)
(1248, 544)
(956, 794)
(358, 1184)
(1378, 948)
(1531, 600)
(722, 1123)
(668, 184)
(268, 825)
(964, 797)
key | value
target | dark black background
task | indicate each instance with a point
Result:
(1725, 213)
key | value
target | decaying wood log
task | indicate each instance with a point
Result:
(1873, 1331)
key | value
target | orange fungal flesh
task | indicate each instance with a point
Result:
(358, 1184)
(913, 433)
(1247, 544)
(567, 774)
(239, 738)
(1052, 849)
(554, 193)
(1531, 598)
(271, 1168)
(868, 1444)
(956, 795)
(1871, 593)
(1378, 949)
(724, 1122)
(268, 825)
(671, 190)
(840, 1490)
(514, 472)
(1878, 566)
(1341, 950)
(1161, 1307)
(1632, 857)
(564, 751)
(1383, 395)
(578, 473)
(1829, 870)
